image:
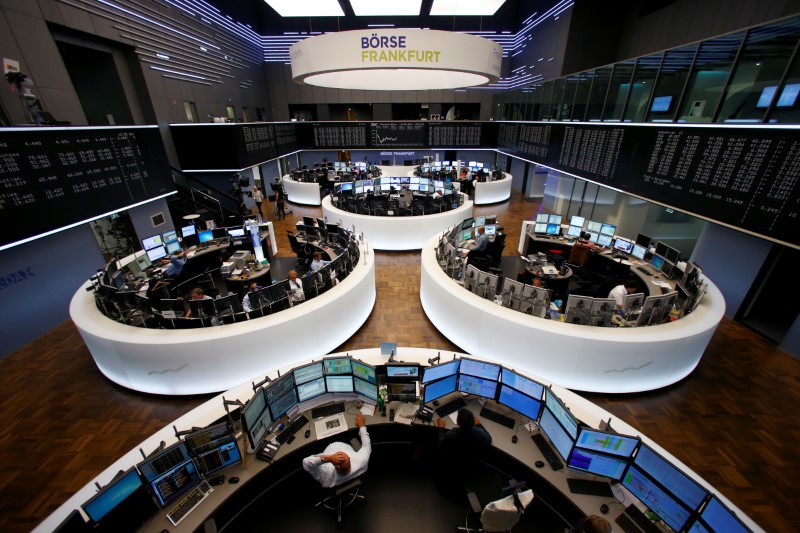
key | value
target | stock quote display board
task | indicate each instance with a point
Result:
(397, 134)
(745, 177)
(54, 177)
(230, 146)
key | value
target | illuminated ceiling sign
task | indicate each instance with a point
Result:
(396, 59)
(386, 8)
(307, 8)
(451, 8)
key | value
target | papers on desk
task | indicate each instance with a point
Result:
(405, 413)
(330, 425)
(368, 409)
(550, 270)
(663, 284)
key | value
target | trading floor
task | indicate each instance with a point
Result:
(733, 421)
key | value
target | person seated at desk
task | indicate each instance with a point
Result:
(296, 294)
(176, 263)
(438, 194)
(339, 462)
(247, 306)
(459, 452)
(197, 294)
(317, 262)
(481, 243)
(621, 291)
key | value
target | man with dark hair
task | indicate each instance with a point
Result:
(621, 291)
(460, 451)
(468, 433)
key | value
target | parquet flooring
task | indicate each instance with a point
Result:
(734, 420)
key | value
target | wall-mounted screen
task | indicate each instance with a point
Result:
(661, 104)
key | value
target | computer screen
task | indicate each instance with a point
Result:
(112, 495)
(577, 221)
(485, 388)
(610, 443)
(766, 96)
(173, 246)
(281, 396)
(214, 448)
(671, 478)
(339, 365)
(521, 403)
(593, 236)
(594, 227)
(673, 255)
(623, 245)
(347, 186)
(560, 439)
(542, 218)
(236, 232)
(574, 231)
(559, 411)
(491, 229)
(162, 461)
(432, 373)
(339, 383)
(170, 235)
(661, 104)
(402, 371)
(436, 389)
(467, 223)
(311, 389)
(718, 518)
(190, 241)
(638, 251)
(788, 95)
(307, 373)
(608, 229)
(540, 228)
(255, 417)
(661, 249)
(171, 484)
(657, 261)
(597, 463)
(366, 388)
(363, 371)
(188, 230)
(554, 219)
(643, 240)
(603, 240)
(553, 229)
(655, 498)
(666, 268)
(205, 236)
(479, 369)
(522, 384)
(480, 221)
(467, 235)
(152, 242)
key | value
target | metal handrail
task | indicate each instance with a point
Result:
(192, 190)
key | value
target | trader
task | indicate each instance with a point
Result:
(481, 243)
(296, 294)
(317, 261)
(197, 294)
(247, 305)
(339, 462)
(621, 291)
(176, 263)
(459, 453)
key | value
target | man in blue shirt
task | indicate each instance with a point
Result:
(176, 263)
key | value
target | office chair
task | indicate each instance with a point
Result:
(500, 515)
(305, 253)
(343, 496)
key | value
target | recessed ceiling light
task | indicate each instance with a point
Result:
(386, 8)
(307, 8)
(466, 7)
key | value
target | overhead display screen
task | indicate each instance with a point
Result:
(285, 138)
(256, 143)
(397, 134)
(54, 177)
(462, 134)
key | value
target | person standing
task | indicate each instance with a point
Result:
(280, 201)
(258, 197)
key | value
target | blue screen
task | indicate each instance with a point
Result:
(574, 231)
(521, 383)
(597, 463)
(112, 495)
(436, 389)
(604, 240)
(675, 481)
(552, 229)
(433, 373)
(719, 518)
(562, 415)
(223, 456)
(279, 387)
(556, 434)
(256, 417)
(767, 94)
(607, 442)
(175, 482)
(658, 501)
(520, 402)
(366, 388)
(279, 407)
(479, 369)
(657, 261)
(205, 236)
(477, 386)
(789, 95)
(661, 104)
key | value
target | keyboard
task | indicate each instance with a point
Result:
(327, 410)
(634, 517)
(644, 271)
(549, 455)
(291, 429)
(189, 502)
(449, 408)
(498, 418)
(590, 487)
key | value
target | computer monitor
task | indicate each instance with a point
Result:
(603, 240)
(112, 495)
(152, 242)
(173, 246)
(655, 498)
(521, 383)
(311, 389)
(170, 235)
(561, 413)
(433, 373)
(597, 463)
(202, 308)
(308, 221)
(594, 227)
(643, 240)
(574, 231)
(657, 261)
(236, 233)
(364, 371)
(281, 396)
(667, 268)
(716, 517)
(577, 221)
(661, 249)
(579, 309)
(542, 218)
(307, 373)
(554, 219)
(556, 434)
(404, 371)
(436, 389)
(191, 240)
(213, 448)
(337, 365)
(519, 402)
(205, 236)
(188, 230)
(336, 383)
(661, 104)
(553, 229)
(608, 229)
(255, 417)
(365, 388)
(670, 477)
(479, 369)
(638, 251)
(486, 388)
(593, 236)
(172, 484)
(673, 255)
(623, 245)
(632, 302)
(466, 234)
(540, 228)
(605, 442)
(491, 229)
(154, 254)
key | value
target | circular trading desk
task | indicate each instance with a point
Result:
(492, 192)
(299, 192)
(256, 477)
(396, 232)
(199, 361)
(585, 358)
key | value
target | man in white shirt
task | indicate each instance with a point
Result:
(340, 463)
(317, 262)
(247, 305)
(296, 293)
(621, 291)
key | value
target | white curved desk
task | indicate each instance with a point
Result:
(213, 409)
(396, 233)
(203, 360)
(585, 358)
(299, 192)
(492, 192)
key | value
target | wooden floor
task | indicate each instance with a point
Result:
(734, 421)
